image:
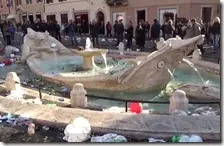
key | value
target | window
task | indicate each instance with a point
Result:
(49, 1)
(51, 18)
(38, 16)
(30, 17)
(64, 18)
(61, 0)
(28, 1)
(24, 17)
(18, 2)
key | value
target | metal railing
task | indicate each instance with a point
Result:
(126, 101)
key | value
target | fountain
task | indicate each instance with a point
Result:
(89, 54)
(150, 73)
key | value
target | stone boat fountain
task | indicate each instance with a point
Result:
(145, 74)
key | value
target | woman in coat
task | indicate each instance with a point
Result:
(140, 35)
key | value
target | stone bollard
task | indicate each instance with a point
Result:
(121, 48)
(78, 96)
(178, 102)
(12, 82)
(196, 55)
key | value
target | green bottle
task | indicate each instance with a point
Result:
(175, 139)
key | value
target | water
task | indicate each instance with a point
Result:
(192, 65)
(67, 63)
(55, 57)
(88, 43)
(72, 65)
(104, 55)
(56, 60)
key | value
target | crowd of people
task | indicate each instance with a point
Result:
(143, 31)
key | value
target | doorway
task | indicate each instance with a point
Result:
(38, 16)
(141, 15)
(30, 17)
(206, 14)
(82, 22)
(101, 22)
(165, 14)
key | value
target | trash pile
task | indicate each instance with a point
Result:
(80, 131)
(110, 137)
(10, 56)
(22, 120)
(186, 139)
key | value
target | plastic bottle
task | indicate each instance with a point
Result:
(184, 138)
(195, 138)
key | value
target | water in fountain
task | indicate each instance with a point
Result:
(89, 47)
(88, 44)
(192, 65)
(53, 46)
(171, 74)
(104, 55)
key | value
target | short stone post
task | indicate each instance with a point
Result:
(12, 82)
(196, 55)
(121, 48)
(78, 96)
(178, 102)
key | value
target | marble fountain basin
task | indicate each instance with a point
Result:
(149, 74)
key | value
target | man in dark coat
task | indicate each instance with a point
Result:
(44, 26)
(120, 32)
(58, 31)
(37, 25)
(94, 31)
(71, 29)
(155, 30)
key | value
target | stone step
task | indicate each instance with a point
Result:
(140, 126)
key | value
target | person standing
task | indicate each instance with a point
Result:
(215, 30)
(129, 35)
(44, 26)
(109, 29)
(94, 31)
(37, 25)
(51, 29)
(71, 29)
(6, 32)
(170, 29)
(12, 30)
(58, 31)
(140, 38)
(147, 29)
(155, 30)
(115, 28)
(120, 32)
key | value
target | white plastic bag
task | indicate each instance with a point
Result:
(156, 140)
(110, 137)
(78, 131)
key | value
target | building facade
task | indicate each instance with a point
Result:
(22, 9)
(147, 10)
(4, 9)
(29, 10)
(78, 10)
